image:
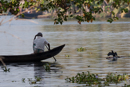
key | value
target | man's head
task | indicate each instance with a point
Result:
(39, 34)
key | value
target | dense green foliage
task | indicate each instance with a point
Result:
(82, 10)
(94, 80)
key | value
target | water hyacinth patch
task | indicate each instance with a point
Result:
(23, 80)
(125, 85)
(13, 81)
(5, 69)
(38, 78)
(47, 67)
(82, 78)
(114, 78)
(81, 49)
(67, 55)
(31, 81)
(92, 79)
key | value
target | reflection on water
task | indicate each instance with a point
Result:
(98, 38)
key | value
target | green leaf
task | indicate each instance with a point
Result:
(126, 10)
(110, 20)
(17, 9)
(42, 2)
(71, 15)
(57, 22)
(116, 18)
(59, 15)
(61, 23)
(65, 18)
(93, 18)
(98, 2)
(112, 12)
(35, 8)
(22, 15)
(34, 3)
(30, 3)
(2, 1)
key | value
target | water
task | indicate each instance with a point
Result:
(98, 38)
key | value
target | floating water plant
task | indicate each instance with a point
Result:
(88, 65)
(67, 55)
(83, 78)
(114, 78)
(81, 49)
(5, 69)
(125, 85)
(47, 67)
(13, 81)
(23, 80)
(33, 82)
(29, 79)
(38, 78)
(93, 79)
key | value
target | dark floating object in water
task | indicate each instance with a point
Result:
(114, 54)
(32, 57)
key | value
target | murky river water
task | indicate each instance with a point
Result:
(98, 38)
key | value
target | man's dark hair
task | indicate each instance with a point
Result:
(38, 34)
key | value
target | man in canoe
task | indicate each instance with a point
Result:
(39, 42)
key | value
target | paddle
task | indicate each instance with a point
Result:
(53, 56)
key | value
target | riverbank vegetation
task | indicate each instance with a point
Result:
(62, 10)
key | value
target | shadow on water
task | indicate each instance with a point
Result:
(38, 66)
(39, 69)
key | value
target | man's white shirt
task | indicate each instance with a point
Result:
(40, 42)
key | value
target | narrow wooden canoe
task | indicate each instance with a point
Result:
(32, 57)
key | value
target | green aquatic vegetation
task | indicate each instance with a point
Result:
(5, 69)
(125, 85)
(47, 67)
(67, 55)
(114, 78)
(23, 80)
(82, 78)
(32, 81)
(13, 81)
(81, 49)
(106, 83)
(29, 79)
(88, 65)
(38, 78)
(92, 79)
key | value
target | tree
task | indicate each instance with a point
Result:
(82, 10)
